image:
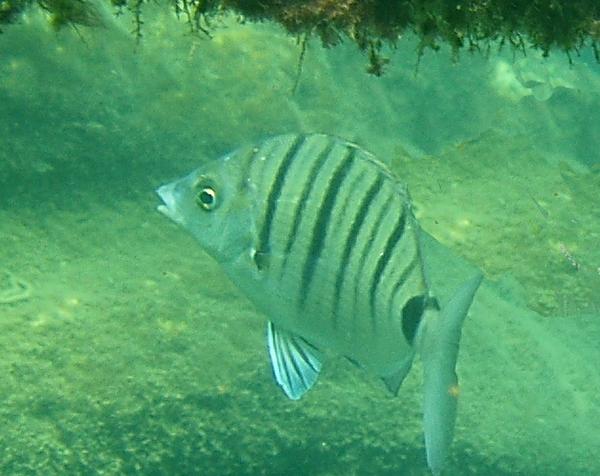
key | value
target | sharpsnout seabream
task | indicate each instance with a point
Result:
(322, 238)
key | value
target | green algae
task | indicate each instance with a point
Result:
(544, 218)
(128, 362)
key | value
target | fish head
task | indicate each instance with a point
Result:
(212, 203)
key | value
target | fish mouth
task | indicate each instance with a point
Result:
(169, 207)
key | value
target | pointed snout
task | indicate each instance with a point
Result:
(169, 206)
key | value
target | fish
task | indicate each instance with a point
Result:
(322, 238)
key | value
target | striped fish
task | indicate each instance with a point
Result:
(322, 239)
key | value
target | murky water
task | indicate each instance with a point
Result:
(125, 349)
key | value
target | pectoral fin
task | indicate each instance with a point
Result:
(439, 354)
(296, 363)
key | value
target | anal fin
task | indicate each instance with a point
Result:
(295, 362)
(394, 381)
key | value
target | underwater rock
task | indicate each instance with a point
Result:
(12, 288)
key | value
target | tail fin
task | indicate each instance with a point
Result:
(439, 352)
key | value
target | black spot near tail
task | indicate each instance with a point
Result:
(412, 312)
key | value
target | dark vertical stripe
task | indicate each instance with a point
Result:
(350, 240)
(401, 280)
(383, 260)
(301, 205)
(264, 236)
(371, 237)
(320, 227)
(375, 232)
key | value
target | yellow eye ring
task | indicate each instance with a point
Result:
(206, 198)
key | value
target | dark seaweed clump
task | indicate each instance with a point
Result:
(565, 25)
(60, 12)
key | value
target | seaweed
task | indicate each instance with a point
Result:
(71, 12)
(546, 25)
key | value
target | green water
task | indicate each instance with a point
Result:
(124, 350)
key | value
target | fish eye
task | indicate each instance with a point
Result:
(206, 198)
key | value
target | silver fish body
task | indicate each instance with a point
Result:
(321, 237)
